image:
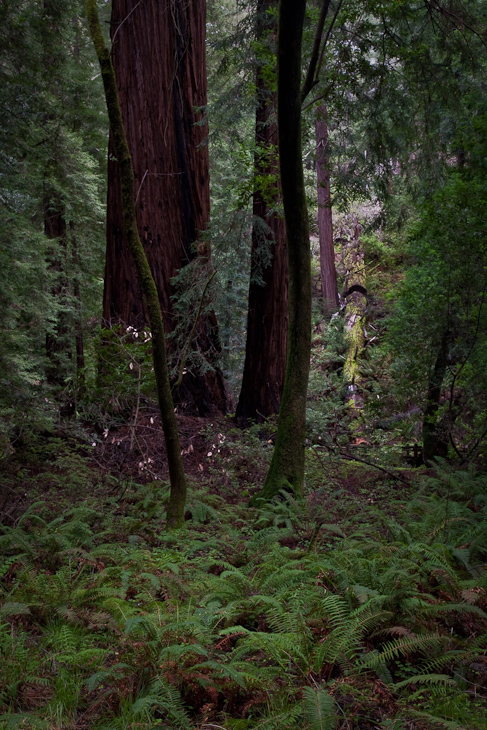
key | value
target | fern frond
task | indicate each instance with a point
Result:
(224, 670)
(402, 647)
(169, 700)
(437, 721)
(439, 679)
(176, 652)
(453, 657)
(13, 608)
(335, 610)
(318, 709)
(19, 720)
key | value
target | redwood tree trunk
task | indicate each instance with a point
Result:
(329, 287)
(265, 354)
(159, 59)
(177, 477)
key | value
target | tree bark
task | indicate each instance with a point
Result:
(80, 350)
(329, 286)
(159, 59)
(354, 315)
(433, 443)
(265, 352)
(58, 339)
(177, 499)
(286, 470)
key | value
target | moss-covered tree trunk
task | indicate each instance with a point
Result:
(267, 321)
(329, 286)
(177, 500)
(353, 260)
(286, 470)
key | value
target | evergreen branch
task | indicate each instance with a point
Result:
(457, 21)
(184, 356)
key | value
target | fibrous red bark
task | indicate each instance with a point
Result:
(177, 477)
(159, 59)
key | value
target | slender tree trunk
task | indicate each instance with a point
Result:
(177, 500)
(433, 444)
(265, 353)
(159, 59)
(286, 470)
(80, 351)
(58, 339)
(329, 286)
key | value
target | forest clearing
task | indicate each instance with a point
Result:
(243, 413)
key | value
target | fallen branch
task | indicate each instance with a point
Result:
(351, 457)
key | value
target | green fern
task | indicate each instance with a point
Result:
(318, 709)
(404, 646)
(429, 679)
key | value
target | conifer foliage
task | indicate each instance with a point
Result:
(52, 222)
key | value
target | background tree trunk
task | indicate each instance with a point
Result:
(265, 353)
(58, 338)
(329, 286)
(159, 59)
(286, 470)
(435, 443)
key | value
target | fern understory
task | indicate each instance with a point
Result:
(329, 614)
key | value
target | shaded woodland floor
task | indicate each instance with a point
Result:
(362, 606)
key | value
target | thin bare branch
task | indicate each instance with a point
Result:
(312, 79)
(325, 42)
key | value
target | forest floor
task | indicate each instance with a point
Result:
(362, 606)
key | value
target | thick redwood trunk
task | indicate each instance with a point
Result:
(265, 354)
(329, 287)
(159, 59)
